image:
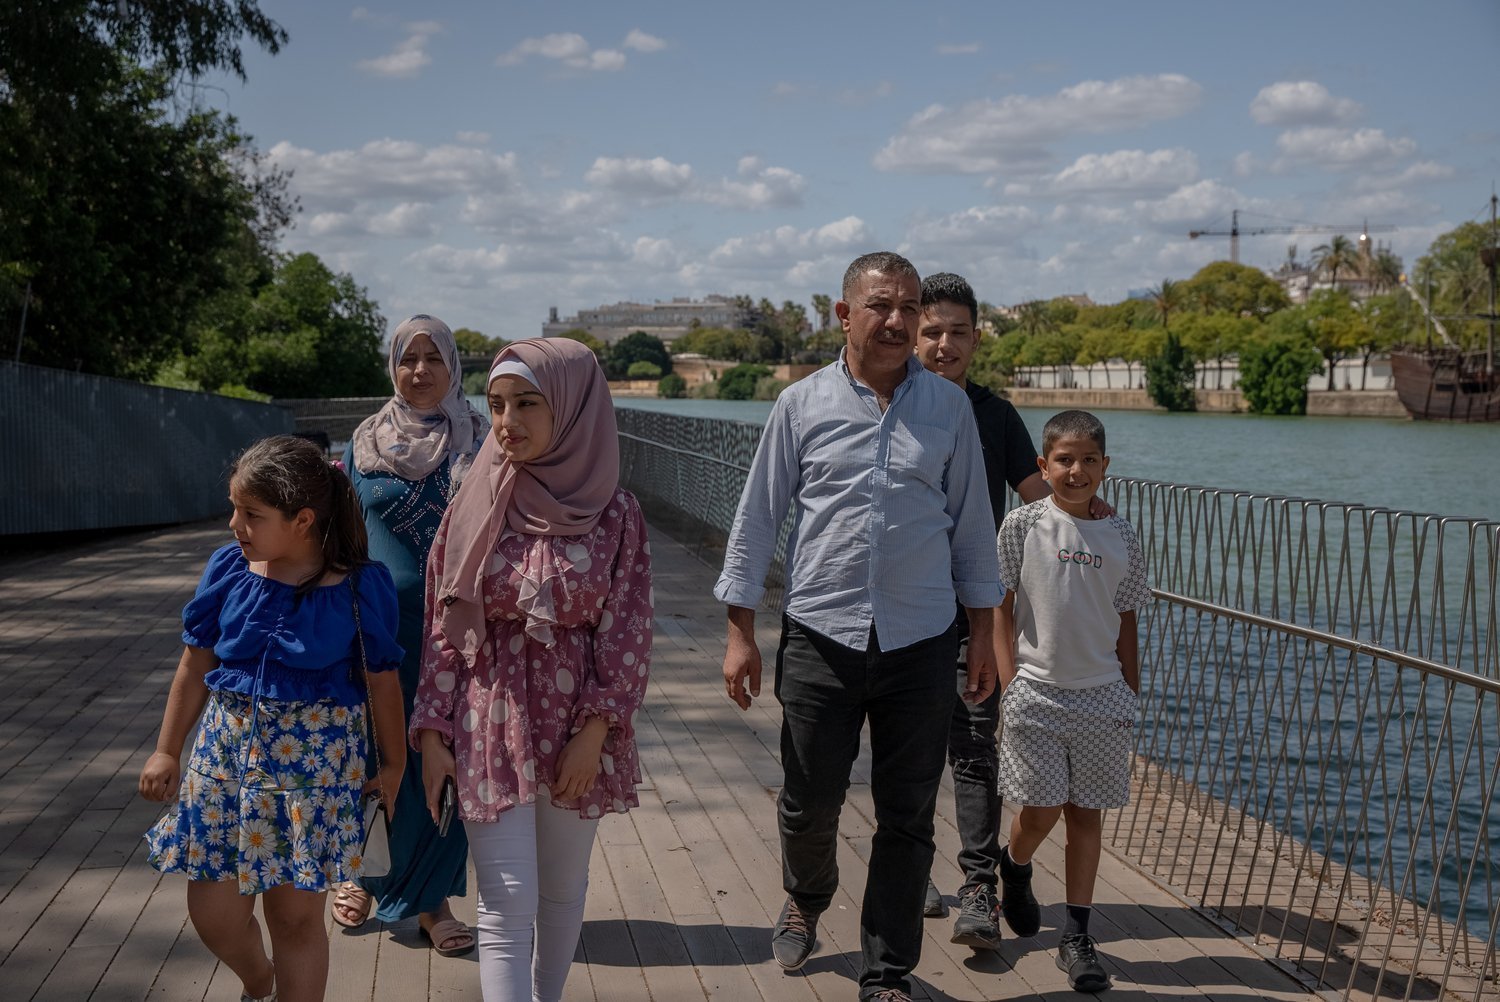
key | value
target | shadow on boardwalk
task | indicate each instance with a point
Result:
(683, 890)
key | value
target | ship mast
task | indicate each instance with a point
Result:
(1491, 256)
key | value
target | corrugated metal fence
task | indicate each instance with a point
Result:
(90, 452)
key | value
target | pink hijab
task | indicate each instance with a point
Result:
(560, 493)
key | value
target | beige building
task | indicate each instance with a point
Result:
(666, 320)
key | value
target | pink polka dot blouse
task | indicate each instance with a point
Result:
(508, 721)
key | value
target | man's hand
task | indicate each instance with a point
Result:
(981, 663)
(1100, 508)
(742, 658)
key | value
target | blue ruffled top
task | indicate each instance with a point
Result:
(305, 647)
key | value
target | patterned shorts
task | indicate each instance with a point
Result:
(1067, 746)
(281, 807)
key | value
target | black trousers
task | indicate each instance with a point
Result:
(975, 757)
(827, 691)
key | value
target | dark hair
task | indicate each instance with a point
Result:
(289, 474)
(1074, 424)
(885, 262)
(946, 287)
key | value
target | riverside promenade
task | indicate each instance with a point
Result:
(683, 891)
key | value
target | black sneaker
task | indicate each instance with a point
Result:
(1077, 956)
(975, 926)
(794, 937)
(1017, 903)
(933, 907)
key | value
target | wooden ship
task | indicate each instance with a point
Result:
(1444, 382)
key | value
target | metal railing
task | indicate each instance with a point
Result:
(1319, 750)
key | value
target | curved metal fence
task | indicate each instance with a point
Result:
(1319, 749)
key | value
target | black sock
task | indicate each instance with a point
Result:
(1010, 869)
(1077, 923)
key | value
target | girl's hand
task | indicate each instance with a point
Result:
(578, 766)
(387, 782)
(160, 776)
(437, 763)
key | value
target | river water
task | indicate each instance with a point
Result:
(1450, 469)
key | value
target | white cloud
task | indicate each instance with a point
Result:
(786, 245)
(988, 135)
(1126, 171)
(473, 138)
(1245, 164)
(539, 218)
(573, 50)
(1302, 102)
(657, 177)
(408, 219)
(966, 49)
(408, 57)
(1418, 173)
(1194, 203)
(394, 168)
(1337, 148)
(642, 42)
(759, 186)
(981, 225)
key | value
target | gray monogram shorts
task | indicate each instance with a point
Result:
(1066, 746)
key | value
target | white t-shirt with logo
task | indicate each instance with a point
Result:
(1072, 578)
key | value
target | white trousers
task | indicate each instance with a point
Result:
(532, 867)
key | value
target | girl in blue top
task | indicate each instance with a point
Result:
(270, 801)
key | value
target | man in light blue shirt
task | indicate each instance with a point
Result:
(879, 461)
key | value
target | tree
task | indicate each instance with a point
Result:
(637, 346)
(1099, 344)
(1233, 288)
(1458, 280)
(1170, 376)
(739, 383)
(1274, 371)
(643, 370)
(671, 386)
(1337, 254)
(307, 333)
(1335, 327)
(1387, 323)
(1167, 298)
(1384, 271)
(471, 342)
(823, 307)
(586, 339)
(124, 213)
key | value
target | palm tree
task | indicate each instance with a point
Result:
(1385, 272)
(823, 307)
(1166, 298)
(1337, 253)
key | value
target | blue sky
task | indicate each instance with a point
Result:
(484, 162)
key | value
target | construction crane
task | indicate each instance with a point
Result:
(1234, 232)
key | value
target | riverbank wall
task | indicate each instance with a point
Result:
(1320, 403)
(85, 452)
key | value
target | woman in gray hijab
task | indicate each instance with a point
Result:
(406, 462)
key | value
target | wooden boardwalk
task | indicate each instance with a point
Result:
(683, 891)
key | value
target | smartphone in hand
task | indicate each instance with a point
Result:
(447, 804)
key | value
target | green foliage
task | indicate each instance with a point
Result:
(586, 339)
(706, 390)
(730, 345)
(471, 342)
(769, 388)
(1170, 376)
(1274, 371)
(643, 370)
(1458, 280)
(739, 383)
(477, 382)
(1338, 254)
(672, 386)
(126, 219)
(1236, 289)
(637, 346)
(307, 333)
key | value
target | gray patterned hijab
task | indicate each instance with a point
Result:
(411, 443)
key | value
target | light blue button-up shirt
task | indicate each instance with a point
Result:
(891, 510)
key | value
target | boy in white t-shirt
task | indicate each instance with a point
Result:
(1069, 681)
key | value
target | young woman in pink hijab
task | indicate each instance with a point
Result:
(538, 632)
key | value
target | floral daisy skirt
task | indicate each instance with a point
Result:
(277, 803)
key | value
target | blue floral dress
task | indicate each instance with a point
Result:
(270, 794)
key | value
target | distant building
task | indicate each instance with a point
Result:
(666, 320)
(1300, 279)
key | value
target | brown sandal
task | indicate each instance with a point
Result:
(444, 930)
(351, 897)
